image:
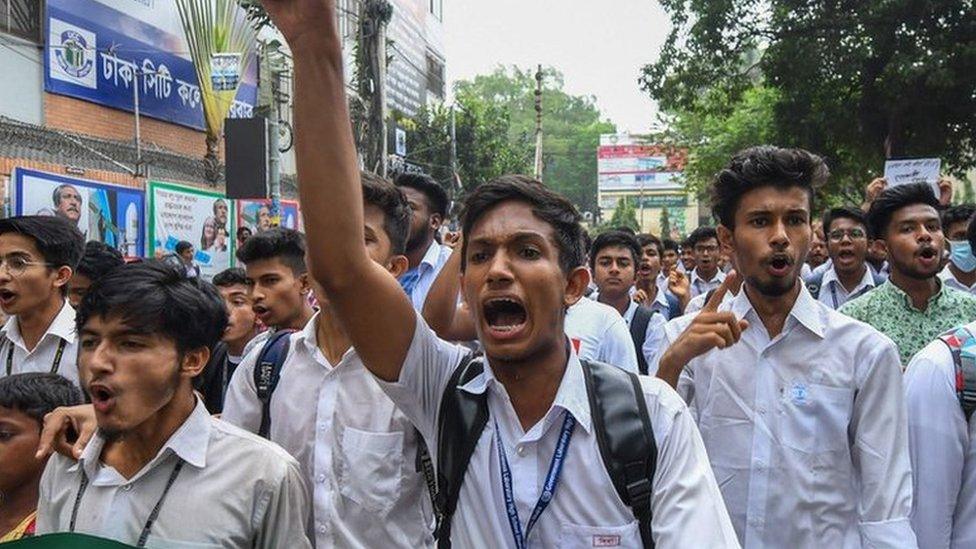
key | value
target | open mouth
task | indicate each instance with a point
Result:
(103, 398)
(6, 296)
(779, 265)
(260, 310)
(644, 269)
(928, 255)
(505, 316)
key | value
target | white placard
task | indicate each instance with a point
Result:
(913, 170)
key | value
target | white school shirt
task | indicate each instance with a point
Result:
(599, 333)
(357, 451)
(807, 434)
(943, 450)
(235, 490)
(585, 510)
(430, 266)
(653, 333)
(41, 359)
(832, 292)
(701, 286)
(950, 280)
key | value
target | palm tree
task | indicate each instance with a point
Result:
(210, 27)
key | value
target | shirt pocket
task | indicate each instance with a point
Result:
(815, 417)
(576, 536)
(371, 470)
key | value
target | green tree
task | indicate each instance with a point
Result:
(624, 215)
(665, 223)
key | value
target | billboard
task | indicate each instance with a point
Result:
(199, 217)
(256, 215)
(107, 213)
(105, 51)
(630, 163)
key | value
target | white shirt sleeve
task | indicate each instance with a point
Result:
(282, 520)
(879, 431)
(938, 437)
(241, 405)
(652, 339)
(617, 347)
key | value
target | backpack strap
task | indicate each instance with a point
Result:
(623, 429)
(960, 340)
(674, 305)
(460, 422)
(814, 282)
(638, 333)
(267, 371)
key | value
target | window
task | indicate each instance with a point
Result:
(435, 76)
(21, 18)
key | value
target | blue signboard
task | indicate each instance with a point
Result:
(101, 54)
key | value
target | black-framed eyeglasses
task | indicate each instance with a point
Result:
(837, 235)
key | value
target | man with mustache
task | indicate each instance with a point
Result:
(67, 203)
(913, 307)
(800, 407)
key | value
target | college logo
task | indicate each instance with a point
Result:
(72, 54)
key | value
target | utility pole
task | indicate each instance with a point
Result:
(454, 167)
(374, 16)
(538, 123)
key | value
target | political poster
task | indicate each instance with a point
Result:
(200, 217)
(256, 215)
(111, 214)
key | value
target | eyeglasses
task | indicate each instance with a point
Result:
(15, 265)
(706, 249)
(837, 235)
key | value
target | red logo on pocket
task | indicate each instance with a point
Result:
(606, 541)
(576, 343)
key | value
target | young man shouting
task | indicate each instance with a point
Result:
(848, 276)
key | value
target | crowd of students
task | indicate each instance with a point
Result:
(777, 380)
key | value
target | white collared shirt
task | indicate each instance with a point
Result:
(430, 266)
(943, 449)
(42, 358)
(832, 292)
(807, 433)
(701, 286)
(586, 510)
(356, 449)
(951, 281)
(235, 490)
(598, 332)
(653, 333)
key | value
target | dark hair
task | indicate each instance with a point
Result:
(971, 233)
(625, 229)
(764, 166)
(686, 244)
(612, 239)
(843, 212)
(230, 277)
(56, 195)
(58, 240)
(547, 205)
(957, 214)
(99, 260)
(244, 229)
(668, 244)
(393, 203)
(37, 394)
(154, 297)
(183, 246)
(276, 243)
(701, 233)
(436, 195)
(650, 240)
(893, 199)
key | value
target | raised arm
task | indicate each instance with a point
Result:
(371, 304)
(441, 310)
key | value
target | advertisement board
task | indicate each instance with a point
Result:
(107, 213)
(105, 51)
(200, 217)
(256, 215)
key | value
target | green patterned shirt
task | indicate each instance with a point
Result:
(889, 310)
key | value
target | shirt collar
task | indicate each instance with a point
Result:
(631, 311)
(432, 256)
(805, 309)
(719, 277)
(898, 292)
(62, 326)
(866, 280)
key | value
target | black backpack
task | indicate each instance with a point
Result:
(620, 420)
(638, 333)
(267, 372)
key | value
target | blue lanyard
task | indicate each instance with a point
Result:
(548, 490)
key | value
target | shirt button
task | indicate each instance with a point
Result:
(760, 465)
(322, 426)
(321, 478)
(127, 488)
(321, 528)
(520, 450)
(761, 410)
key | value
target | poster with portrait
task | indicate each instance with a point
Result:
(111, 214)
(256, 215)
(202, 218)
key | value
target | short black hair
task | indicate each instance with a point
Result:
(37, 394)
(287, 245)
(230, 277)
(612, 239)
(648, 239)
(547, 205)
(155, 298)
(957, 214)
(393, 203)
(893, 199)
(183, 246)
(764, 166)
(625, 229)
(701, 233)
(99, 260)
(58, 240)
(971, 233)
(244, 229)
(436, 195)
(843, 212)
(668, 244)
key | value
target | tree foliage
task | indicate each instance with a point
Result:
(624, 215)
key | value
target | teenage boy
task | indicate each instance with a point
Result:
(226, 355)
(522, 266)
(687, 256)
(24, 401)
(38, 255)
(669, 256)
(706, 276)
(184, 254)
(98, 260)
(800, 407)
(960, 273)
(652, 290)
(942, 436)
(274, 261)
(428, 204)
(913, 307)
(848, 275)
(160, 471)
(357, 450)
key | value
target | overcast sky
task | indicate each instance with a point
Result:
(599, 45)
